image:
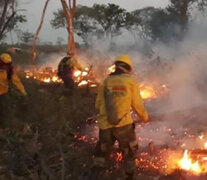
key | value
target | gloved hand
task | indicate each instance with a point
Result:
(145, 118)
(24, 93)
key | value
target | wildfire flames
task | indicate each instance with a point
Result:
(192, 161)
(187, 164)
(49, 75)
(46, 75)
(148, 91)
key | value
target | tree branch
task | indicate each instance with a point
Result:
(2, 19)
(6, 25)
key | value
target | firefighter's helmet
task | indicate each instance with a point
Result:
(125, 59)
(6, 58)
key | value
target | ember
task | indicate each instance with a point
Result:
(49, 75)
(46, 75)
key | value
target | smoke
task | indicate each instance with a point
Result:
(181, 117)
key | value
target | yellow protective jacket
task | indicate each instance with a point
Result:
(128, 96)
(4, 84)
(73, 62)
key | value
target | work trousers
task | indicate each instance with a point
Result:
(3, 108)
(128, 145)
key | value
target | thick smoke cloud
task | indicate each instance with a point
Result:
(183, 115)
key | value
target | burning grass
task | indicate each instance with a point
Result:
(86, 78)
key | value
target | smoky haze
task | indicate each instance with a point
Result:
(179, 118)
(183, 111)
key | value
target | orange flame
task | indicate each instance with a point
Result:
(77, 73)
(187, 164)
(147, 92)
(205, 145)
(111, 69)
(82, 83)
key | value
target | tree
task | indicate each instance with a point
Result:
(162, 24)
(9, 17)
(97, 21)
(110, 17)
(84, 25)
(34, 47)
(69, 12)
(179, 12)
(137, 23)
(26, 37)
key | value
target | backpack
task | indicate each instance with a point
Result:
(110, 104)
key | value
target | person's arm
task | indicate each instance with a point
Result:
(137, 103)
(99, 97)
(18, 84)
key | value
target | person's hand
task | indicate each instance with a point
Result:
(145, 118)
(24, 93)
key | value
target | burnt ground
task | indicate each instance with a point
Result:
(39, 134)
(48, 135)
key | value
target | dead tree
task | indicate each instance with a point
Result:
(34, 47)
(69, 11)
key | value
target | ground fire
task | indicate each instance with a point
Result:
(164, 161)
(87, 78)
(49, 75)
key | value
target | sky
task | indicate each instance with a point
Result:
(34, 9)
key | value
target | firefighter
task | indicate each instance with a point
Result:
(8, 75)
(117, 95)
(66, 68)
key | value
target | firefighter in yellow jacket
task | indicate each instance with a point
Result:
(7, 74)
(117, 95)
(66, 68)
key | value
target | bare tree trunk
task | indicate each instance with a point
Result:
(69, 13)
(34, 47)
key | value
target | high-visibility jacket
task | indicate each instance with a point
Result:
(127, 96)
(67, 65)
(4, 84)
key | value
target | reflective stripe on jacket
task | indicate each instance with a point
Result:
(4, 84)
(127, 96)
